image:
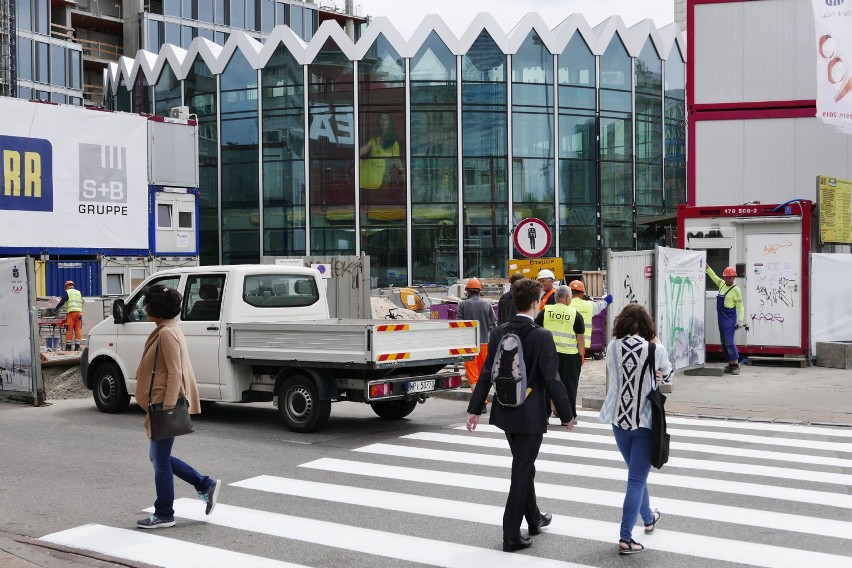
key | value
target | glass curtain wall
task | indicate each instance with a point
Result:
(142, 95)
(382, 151)
(331, 136)
(122, 97)
(649, 132)
(616, 147)
(578, 156)
(675, 105)
(434, 163)
(485, 185)
(200, 90)
(239, 167)
(167, 93)
(532, 133)
(283, 155)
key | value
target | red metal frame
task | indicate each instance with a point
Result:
(805, 208)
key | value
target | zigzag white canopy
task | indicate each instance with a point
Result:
(258, 54)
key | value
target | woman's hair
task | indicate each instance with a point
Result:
(525, 293)
(634, 320)
(162, 302)
(388, 138)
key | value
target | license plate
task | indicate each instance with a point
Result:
(420, 386)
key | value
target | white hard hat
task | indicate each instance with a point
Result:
(545, 273)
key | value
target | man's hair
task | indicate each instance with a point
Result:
(563, 291)
(525, 293)
(515, 277)
(634, 320)
(162, 302)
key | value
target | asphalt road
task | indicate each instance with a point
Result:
(359, 494)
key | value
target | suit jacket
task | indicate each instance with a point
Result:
(506, 309)
(542, 376)
(479, 309)
(174, 376)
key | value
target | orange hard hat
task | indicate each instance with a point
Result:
(473, 284)
(730, 271)
(577, 286)
(69, 283)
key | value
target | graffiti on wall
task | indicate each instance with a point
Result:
(680, 305)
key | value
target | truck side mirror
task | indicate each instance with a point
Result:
(118, 311)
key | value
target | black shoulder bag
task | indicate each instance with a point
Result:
(168, 422)
(661, 439)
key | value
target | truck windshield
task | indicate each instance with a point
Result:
(280, 290)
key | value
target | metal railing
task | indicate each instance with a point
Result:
(100, 49)
(62, 32)
(110, 8)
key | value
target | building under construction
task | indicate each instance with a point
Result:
(7, 48)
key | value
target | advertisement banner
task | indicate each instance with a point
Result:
(16, 352)
(833, 22)
(629, 280)
(831, 310)
(72, 178)
(680, 305)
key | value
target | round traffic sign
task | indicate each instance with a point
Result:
(532, 237)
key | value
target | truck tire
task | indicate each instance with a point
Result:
(300, 406)
(109, 389)
(394, 409)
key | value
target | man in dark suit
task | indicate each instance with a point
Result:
(506, 306)
(524, 425)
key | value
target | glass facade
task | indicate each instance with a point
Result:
(424, 158)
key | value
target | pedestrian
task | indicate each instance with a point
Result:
(526, 424)
(477, 308)
(546, 278)
(506, 306)
(629, 380)
(567, 326)
(730, 312)
(74, 315)
(165, 360)
(587, 306)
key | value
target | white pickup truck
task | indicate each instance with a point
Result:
(262, 333)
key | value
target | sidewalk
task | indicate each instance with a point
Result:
(766, 393)
(25, 552)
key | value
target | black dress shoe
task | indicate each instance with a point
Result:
(515, 545)
(543, 522)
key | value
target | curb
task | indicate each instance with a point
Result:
(28, 552)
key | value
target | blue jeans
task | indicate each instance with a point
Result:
(165, 467)
(635, 447)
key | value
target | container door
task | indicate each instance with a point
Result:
(201, 322)
(773, 290)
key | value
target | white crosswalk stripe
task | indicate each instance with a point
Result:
(734, 500)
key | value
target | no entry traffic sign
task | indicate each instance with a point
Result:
(532, 237)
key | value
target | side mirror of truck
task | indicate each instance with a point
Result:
(118, 311)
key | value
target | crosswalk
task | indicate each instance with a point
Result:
(768, 495)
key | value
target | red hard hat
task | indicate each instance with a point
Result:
(730, 271)
(578, 286)
(69, 283)
(473, 284)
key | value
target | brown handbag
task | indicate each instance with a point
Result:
(168, 422)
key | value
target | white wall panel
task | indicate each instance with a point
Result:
(769, 160)
(754, 51)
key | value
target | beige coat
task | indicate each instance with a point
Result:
(173, 370)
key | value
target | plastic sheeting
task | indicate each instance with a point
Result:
(831, 310)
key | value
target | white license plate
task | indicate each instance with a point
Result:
(420, 386)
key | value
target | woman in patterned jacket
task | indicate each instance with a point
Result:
(629, 380)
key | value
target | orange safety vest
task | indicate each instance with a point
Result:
(546, 297)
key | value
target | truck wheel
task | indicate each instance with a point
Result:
(394, 409)
(300, 406)
(109, 390)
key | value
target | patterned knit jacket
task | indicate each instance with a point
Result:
(627, 387)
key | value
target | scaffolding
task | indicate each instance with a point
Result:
(7, 48)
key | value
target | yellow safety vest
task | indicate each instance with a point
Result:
(586, 309)
(75, 300)
(559, 319)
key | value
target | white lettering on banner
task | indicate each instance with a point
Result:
(834, 59)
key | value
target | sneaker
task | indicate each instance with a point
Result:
(735, 370)
(728, 368)
(210, 495)
(155, 522)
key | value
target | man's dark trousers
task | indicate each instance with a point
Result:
(569, 372)
(521, 500)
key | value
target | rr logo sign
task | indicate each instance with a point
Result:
(26, 175)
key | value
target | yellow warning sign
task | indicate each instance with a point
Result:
(835, 209)
(530, 267)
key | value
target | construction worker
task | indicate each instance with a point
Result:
(566, 325)
(587, 307)
(74, 318)
(477, 308)
(547, 278)
(731, 313)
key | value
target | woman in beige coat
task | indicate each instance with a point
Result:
(166, 358)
